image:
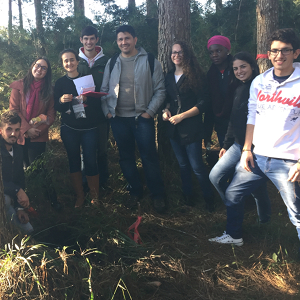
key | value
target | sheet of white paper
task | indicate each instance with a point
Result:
(84, 84)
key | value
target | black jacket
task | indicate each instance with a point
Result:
(191, 129)
(220, 99)
(12, 170)
(238, 120)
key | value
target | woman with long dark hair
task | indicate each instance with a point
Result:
(185, 104)
(31, 97)
(78, 132)
(245, 70)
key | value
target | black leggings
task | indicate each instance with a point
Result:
(31, 151)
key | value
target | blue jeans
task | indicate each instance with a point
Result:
(245, 183)
(11, 215)
(126, 132)
(222, 173)
(190, 158)
(88, 140)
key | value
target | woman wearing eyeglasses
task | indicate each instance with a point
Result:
(31, 97)
(185, 104)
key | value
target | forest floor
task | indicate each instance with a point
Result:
(175, 260)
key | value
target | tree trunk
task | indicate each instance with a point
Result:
(39, 28)
(131, 6)
(267, 22)
(219, 5)
(9, 21)
(20, 15)
(79, 16)
(79, 9)
(174, 24)
(5, 232)
(152, 9)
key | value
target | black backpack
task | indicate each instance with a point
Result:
(151, 59)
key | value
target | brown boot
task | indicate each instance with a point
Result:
(93, 182)
(76, 179)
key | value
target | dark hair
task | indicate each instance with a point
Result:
(9, 117)
(126, 28)
(46, 90)
(285, 35)
(69, 50)
(191, 68)
(89, 30)
(247, 57)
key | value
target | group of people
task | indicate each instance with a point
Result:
(255, 118)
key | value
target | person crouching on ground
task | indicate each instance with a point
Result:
(16, 200)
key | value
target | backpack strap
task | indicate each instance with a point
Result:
(151, 60)
(113, 62)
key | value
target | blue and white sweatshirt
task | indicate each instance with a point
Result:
(274, 109)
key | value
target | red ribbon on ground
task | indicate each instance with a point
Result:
(261, 56)
(135, 236)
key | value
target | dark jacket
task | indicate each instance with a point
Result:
(97, 71)
(238, 120)
(65, 85)
(12, 170)
(220, 99)
(191, 129)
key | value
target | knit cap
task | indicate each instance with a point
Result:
(219, 40)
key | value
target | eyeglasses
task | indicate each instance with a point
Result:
(285, 51)
(37, 66)
(179, 53)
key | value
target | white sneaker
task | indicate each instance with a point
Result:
(227, 239)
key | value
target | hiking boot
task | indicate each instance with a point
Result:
(227, 239)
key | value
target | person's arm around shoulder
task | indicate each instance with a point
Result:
(105, 89)
(159, 90)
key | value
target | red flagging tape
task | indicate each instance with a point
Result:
(135, 236)
(261, 56)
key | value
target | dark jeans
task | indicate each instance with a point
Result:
(103, 132)
(88, 140)
(190, 158)
(126, 132)
(224, 170)
(32, 150)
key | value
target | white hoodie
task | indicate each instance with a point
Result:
(91, 62)
(274, 109)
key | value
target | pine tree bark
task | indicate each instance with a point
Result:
(219, 5)
(152, 12)
(267, 22)
(39, 28)
(5, 230)
(9, 21)
(79, 9)
(20, 15)
(131, 6)
(174, 24)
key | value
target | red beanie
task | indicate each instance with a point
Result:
(219, 40)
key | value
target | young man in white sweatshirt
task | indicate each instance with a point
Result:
(272, 144)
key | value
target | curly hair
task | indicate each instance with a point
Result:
(191, 68)
(46, 90)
